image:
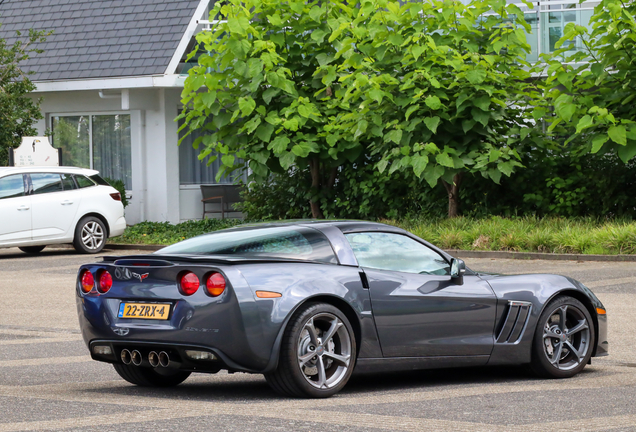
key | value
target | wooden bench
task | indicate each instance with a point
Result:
(225, 194)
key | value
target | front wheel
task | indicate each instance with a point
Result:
(90, 235)
(563, 340)
(149, 377)
(317, 355)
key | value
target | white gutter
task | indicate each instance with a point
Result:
(187, 36)
(159, 81)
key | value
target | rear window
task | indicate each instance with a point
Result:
(83, 181)
(46, 183)
(280, 242)
(100, 181)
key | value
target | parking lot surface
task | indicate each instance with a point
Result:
(49, 382)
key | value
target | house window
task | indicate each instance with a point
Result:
(100, 142)
(193, 171)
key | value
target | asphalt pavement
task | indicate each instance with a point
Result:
(49, 382)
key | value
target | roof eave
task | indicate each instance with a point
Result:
(145, 81)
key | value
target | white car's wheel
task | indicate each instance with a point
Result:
(90, 235)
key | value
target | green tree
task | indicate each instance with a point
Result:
(592, 89)
(435, 87)
(18, 111)
(260, 93)
(443, 87)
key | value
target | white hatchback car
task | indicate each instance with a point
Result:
(41, 206)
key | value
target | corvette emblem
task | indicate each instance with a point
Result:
(141, 277)
(121, 331)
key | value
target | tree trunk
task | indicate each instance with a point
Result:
(314, 169)
(453, 195)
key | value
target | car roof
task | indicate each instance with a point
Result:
(4, 171)
(345, 225)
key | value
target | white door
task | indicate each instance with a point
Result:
(55, 201)
(15, 211)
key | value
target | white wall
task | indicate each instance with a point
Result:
(155, 167)
(156, 193)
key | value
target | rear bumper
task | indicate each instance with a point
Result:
(118, 227)
(177, 353)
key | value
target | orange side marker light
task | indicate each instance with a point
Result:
(601, 311)
(268, 294)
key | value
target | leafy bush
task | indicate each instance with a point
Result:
(361, 192)
(165, 233)
(121, 188)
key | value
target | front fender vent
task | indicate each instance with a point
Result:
(515, 322)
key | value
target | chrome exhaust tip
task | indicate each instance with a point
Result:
(153, 359)
(136, 358)
(164, 359)
(125, 357)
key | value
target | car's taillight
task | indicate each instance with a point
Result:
(116, 196)
(189, 283)
(87, 281)
(215, 284)
(105, 282)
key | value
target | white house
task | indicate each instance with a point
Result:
(110, 79)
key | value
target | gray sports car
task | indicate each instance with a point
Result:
(306, 302)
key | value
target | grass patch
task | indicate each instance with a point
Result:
(522, 234)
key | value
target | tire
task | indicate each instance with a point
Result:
(149, 377)
(32, 249)
(324, 331)
(562, 348)
(90, 235)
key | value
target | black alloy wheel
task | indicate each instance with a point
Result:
(317, 355)
(564, 338)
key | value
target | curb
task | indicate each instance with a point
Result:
(456, 252)
(539, 256)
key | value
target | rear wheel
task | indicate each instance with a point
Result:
(32, 249)
(563, 340)
(317, 355)
(90, 235)
(151, 377)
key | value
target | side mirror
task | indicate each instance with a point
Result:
(457, 270)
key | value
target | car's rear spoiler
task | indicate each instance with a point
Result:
(166, 259)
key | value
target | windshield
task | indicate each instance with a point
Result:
(281, 242)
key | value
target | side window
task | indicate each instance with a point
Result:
(397, 252)
(46, 183)
(67, 182)
(11, 186)
(83, 181)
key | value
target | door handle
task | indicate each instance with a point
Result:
(67, 202)
(23, 208)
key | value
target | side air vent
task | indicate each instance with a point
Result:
(515, 322)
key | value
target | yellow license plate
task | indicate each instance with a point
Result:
(157, 311)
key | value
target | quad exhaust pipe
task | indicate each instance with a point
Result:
(164, 359)
(125, 357)
(155, 359)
